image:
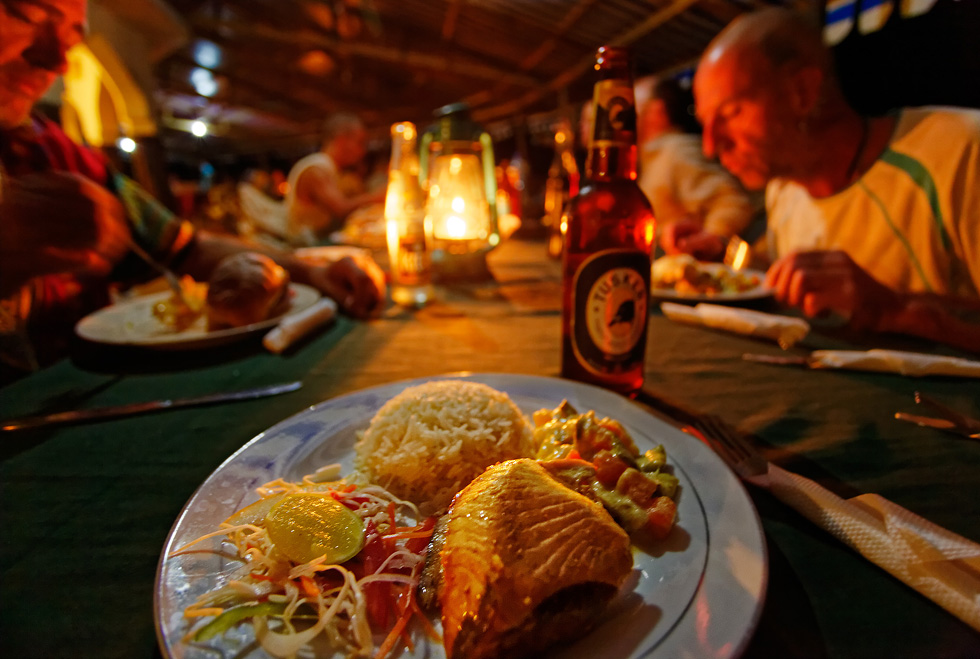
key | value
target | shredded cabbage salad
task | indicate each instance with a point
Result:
(289, 604)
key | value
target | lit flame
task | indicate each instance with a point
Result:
(455, 227)
(455, 165)
(741, 256)
(459, 205)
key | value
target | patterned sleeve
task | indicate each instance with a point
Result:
(161, 233)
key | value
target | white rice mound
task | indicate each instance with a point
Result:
(428, 442)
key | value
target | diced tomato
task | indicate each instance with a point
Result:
(660, 517)
(608, 468)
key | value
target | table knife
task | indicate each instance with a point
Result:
(784, 360)
(149, 406)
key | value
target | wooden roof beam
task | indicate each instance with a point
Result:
(571, 18)
(654, 21)
(408, 58)
(449, 24)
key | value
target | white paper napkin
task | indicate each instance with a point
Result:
(783, 330)
(941, 565)
(894, 361)
(294, 327)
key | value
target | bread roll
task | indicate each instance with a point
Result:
(246, 288)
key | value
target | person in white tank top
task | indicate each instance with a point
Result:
(315, 202)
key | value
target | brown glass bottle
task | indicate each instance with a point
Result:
(608, 244)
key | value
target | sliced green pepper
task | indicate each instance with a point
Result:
(230, 617)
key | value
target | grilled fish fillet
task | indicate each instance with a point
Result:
(520, 562)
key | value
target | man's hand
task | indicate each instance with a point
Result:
(356, 284)
(829, 281)
(688, 237)
(56, 222)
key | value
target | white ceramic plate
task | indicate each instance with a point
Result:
(132, 323)
(699, 595)
(754, 293)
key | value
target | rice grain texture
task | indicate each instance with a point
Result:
(428, 442)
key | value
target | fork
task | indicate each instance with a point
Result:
(171, 278)
(838, 516)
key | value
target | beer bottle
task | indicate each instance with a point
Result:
(562, 185)
(608, 244)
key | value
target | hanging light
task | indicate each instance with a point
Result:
(199, 128)
(207, 54)
(204, 82)
(126, 144)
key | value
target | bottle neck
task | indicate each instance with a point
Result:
(612, 153)
(611, 161)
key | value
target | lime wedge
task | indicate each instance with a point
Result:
(307, 525)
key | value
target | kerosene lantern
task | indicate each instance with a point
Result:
(456, 171)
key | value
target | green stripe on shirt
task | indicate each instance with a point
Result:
(898, 234)
(922, 178)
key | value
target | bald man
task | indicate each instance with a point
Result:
(874, 218)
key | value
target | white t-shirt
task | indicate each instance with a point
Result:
(912, 220)
(681, 183)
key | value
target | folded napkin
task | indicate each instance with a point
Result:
(782, 329)
(939, 564)
(894, 361)
(294, 327)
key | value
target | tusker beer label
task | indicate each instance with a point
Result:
(615, 113)
(611, 289)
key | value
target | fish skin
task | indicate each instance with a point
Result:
(524, 561)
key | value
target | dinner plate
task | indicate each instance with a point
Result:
(699, 593)
(755, 293)
(132, 323)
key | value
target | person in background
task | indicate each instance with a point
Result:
(698, 205)
(69, 223)
(316, 201)
(874, 218)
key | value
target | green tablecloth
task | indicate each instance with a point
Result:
(86, 509)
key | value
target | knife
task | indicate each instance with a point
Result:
(937, 423)
(149, 406)
(776, 359)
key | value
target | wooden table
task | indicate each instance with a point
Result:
(86, 508)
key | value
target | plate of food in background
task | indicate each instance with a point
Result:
(626, 538)
(247, 293)
(683, 278)
(364, 227)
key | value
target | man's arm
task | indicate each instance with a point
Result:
(822, 281)
(317, 185)
(357, 285)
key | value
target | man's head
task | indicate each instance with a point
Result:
(34, 37)
(763, 88)
(663, 105)
(345, 139)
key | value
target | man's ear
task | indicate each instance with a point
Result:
(804, 89)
